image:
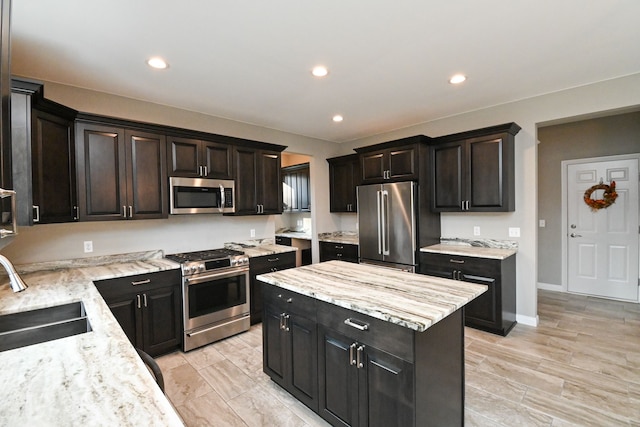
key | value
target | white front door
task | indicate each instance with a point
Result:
(603, 244)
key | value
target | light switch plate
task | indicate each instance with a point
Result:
(542, 223)
(88, 246)
(252, 232)
(476, 230)
(514, 231)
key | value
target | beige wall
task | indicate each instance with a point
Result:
(64, 241)
(597, 137)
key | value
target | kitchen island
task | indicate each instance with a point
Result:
(366, 345)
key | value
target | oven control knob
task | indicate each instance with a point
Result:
(201, 267)
(187, 270)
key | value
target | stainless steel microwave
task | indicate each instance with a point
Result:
(201, 195)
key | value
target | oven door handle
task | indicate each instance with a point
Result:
(208, 277)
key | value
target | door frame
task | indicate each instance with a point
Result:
(565, 225)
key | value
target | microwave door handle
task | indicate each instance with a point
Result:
(222, 201)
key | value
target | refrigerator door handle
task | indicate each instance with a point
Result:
(379, 209)
(385, 222)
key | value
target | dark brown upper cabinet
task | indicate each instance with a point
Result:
(474, 171)
(389, 162)
(53, 169)
(344, 177)
(121, 173)
(258, 181)
(198, 158)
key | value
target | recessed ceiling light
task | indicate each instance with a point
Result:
(338, 118)
(457, 79)
(157, 62)
(320, 71)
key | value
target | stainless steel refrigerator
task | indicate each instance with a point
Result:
(387, 224)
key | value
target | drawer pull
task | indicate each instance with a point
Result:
(273, 259)
(457, 261)
(141, 282)
(361, 327)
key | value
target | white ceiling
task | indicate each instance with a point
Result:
(389, 61)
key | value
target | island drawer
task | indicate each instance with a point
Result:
(291, 302)
(386, 336)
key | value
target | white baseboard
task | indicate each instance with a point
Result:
(550, 287)
(527, 320)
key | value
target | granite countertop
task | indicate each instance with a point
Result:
(472, 251)
(259, 247)
(406, 299)
(94, 378)
(304, 235)
(346, 237)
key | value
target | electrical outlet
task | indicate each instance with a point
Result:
(252, 232)
(514, 231)
(476, 231)
(299, 223)
(88, 246)
(542, 223)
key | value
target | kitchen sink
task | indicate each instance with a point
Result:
(42, 325)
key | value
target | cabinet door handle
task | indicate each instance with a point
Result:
(130, 211)
(286, 322)
(467, 205)
(37, 209)
(282, 321)
(75, 213)
(360, 354)
(206, 170)
(141, 282)
(361, 327)
(352, 357)
(124, 211)
(144, 298)
(138, 301)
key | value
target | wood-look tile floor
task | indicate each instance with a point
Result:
(579, 367)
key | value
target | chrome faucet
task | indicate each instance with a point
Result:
(15, 281)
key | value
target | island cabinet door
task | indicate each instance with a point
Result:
(290, 352)
(385, 385)
(338, 378)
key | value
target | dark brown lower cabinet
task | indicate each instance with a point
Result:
(495, 310)
(148, 307)
(369, 372)
(338, 251)
(260, 265)
(290, 353)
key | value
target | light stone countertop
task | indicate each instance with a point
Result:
(411, 300)
(260, 247)
(345, 237)
(95, 378)
(303, 235)
(472, 251)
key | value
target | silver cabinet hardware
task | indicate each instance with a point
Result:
(138, 301)
(289, 300)
(141, 282)
(575, 235)
(130, 211)
(456, 261)
(273, 259)
(353, 324)
(282, 321)
(352, 358)
(75, 213)
(124, 211)
(286, 322)
(360, 354)
(573, 226)
(144, 298)
(37, 209)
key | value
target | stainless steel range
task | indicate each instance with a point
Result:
(215, 295)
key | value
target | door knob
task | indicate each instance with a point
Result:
(575, 235)
(573, 226)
